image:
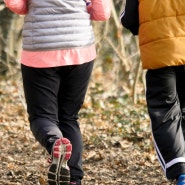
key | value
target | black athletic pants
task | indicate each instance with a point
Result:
(54, 97)
(165, 97)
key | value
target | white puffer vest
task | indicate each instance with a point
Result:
(57, 24)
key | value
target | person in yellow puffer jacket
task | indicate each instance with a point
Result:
(161, 34)
(162, 47)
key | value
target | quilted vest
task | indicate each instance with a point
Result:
(162, 33)
(57, 24)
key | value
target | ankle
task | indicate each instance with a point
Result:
(75, 180)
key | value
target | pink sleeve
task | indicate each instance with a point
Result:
(99, 10)
(17, 6)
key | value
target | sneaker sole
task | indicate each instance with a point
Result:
(59, 173)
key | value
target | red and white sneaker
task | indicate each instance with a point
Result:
(59, 173)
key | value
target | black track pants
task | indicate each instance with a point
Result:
(54, 97)
(165, 97)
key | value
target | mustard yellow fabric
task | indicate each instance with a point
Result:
(162, 33)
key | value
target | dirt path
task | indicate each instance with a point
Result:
(109, 159)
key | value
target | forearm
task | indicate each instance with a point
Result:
(17, 6)
(99, 9)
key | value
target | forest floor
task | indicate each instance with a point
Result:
(118, 148)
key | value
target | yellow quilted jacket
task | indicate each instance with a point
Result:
(162, 33)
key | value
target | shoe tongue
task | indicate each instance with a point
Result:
(49, 160)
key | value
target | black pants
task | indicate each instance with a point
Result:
(54, 97)
(165, 97)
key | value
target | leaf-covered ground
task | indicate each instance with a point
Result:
(118, 148)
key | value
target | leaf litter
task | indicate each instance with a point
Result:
(118, 148)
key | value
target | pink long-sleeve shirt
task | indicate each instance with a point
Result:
(99, 10)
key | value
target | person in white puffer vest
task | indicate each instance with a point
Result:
(56, 64)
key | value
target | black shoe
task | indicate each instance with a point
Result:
(59, 173)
